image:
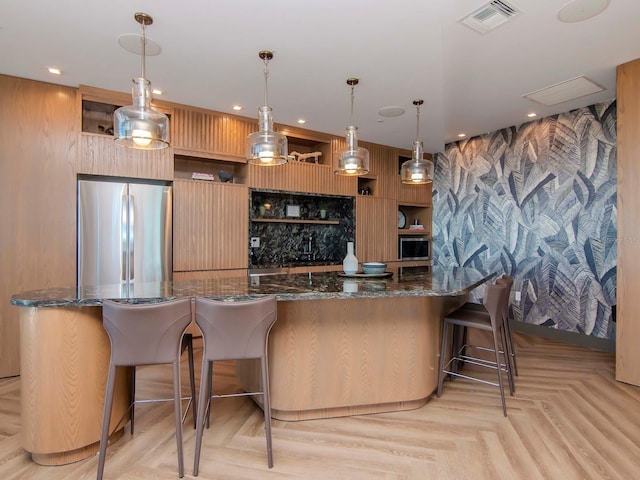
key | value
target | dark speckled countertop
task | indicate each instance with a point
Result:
(407, 281)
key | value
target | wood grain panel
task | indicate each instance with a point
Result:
(628, 251)
(212, 132)
(39, 126)
(301, 177)
(383, 164)
(210, 226)
(99, 155)
(376, 229)
(343, 357)
(65, 359)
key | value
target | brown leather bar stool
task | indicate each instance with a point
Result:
(233, 331)
(144, 334)
(508, 282)
(491, 320)
(460, 334)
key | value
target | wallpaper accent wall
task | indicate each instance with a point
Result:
(538, 202)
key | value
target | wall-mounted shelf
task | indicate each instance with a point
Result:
(298, 220)
(406, 232)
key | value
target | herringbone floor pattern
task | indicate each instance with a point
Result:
(569, 419)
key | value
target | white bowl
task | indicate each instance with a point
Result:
(374, 267)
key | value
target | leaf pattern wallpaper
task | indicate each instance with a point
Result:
(538, 202)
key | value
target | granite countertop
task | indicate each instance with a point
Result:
(405, 282)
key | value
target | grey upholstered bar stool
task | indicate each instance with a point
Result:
(233, 331)
(144, 334)
(491, 320)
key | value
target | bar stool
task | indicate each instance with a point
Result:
(491, 320)
(233, 331)
(508, 282)
(144, 334)
(460, 334)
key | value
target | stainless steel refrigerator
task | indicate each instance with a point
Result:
(124, 231)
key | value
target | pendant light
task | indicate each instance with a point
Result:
(139, 125)
(351, 160)
(417, 171)
(266, 147)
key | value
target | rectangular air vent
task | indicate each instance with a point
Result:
(490, 16)
(564, 91)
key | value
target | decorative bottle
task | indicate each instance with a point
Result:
(350, 262)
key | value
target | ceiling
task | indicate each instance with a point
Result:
(401, 51)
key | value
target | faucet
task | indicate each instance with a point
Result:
(307, 250)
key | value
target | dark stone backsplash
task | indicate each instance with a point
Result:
(297, 244)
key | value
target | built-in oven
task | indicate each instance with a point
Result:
(414, 248)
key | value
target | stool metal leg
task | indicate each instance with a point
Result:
(106, 419)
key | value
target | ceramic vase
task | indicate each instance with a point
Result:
(350, 262)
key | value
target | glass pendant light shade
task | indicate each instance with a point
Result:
(266, 147)
(417, 171)
(139, 125)
(351, 160)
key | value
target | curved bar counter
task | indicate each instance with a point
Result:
(341, 346)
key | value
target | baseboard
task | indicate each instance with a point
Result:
(573, 338)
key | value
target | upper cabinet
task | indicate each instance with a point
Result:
(99, 154)
(309, 168)
(208, 134)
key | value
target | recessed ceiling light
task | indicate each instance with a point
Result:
(532, 114)
(237, 108)
(54, 71)
(301, 121)
(579, 10)
(462, 135)
(391, 111)
(156, 91)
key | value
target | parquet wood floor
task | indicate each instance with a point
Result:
(568, 420)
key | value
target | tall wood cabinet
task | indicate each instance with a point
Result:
(39, 125)
(628, 280)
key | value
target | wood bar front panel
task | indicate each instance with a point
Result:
(341, 357)
(628, 308)
(65, 359)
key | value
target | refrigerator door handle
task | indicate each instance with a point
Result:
(131, 235)
(123, 239)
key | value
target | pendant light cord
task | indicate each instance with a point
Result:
(417, 123)
(352, 98)
(144, 49)
(266, 76)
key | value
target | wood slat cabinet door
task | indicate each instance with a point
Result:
(99, 155)
(301, 177)
(207, 134)
(376, 228)
(210, 226)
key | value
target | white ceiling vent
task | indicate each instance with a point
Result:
(564, 91)
(490, 16)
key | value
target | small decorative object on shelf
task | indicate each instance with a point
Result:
(305, 157)
(350, 262)
(203, 176)
(225, 176)
(323, 210)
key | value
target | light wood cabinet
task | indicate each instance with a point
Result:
(39, 125)
(628, 309)
(376, 229)
(99, 155)
(210, 226)
(207, 134)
